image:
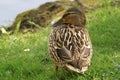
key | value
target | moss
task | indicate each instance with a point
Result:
(40, 16)
(18, 18)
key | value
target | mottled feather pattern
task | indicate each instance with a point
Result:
(70, 45)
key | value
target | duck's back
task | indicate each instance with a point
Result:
(70, 47)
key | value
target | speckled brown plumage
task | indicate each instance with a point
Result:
(69, 42)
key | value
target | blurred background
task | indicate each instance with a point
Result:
(34, 14)
(10, 8)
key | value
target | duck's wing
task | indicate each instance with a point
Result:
(58, 45)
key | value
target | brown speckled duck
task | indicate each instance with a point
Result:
(69, 42)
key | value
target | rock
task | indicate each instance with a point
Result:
(38, 17)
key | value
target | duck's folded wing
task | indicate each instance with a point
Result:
(57, 48)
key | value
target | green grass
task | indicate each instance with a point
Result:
(25, 56)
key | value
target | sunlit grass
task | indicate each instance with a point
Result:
(25, 56)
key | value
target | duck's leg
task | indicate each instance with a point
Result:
(56, 68)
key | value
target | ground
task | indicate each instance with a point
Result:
(25, 56)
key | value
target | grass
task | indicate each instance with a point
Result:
(25, 56)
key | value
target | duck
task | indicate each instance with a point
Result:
(69, 43)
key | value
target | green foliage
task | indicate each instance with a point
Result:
(32, 23)
(25, 56)
(17, 27)
(106, 3)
